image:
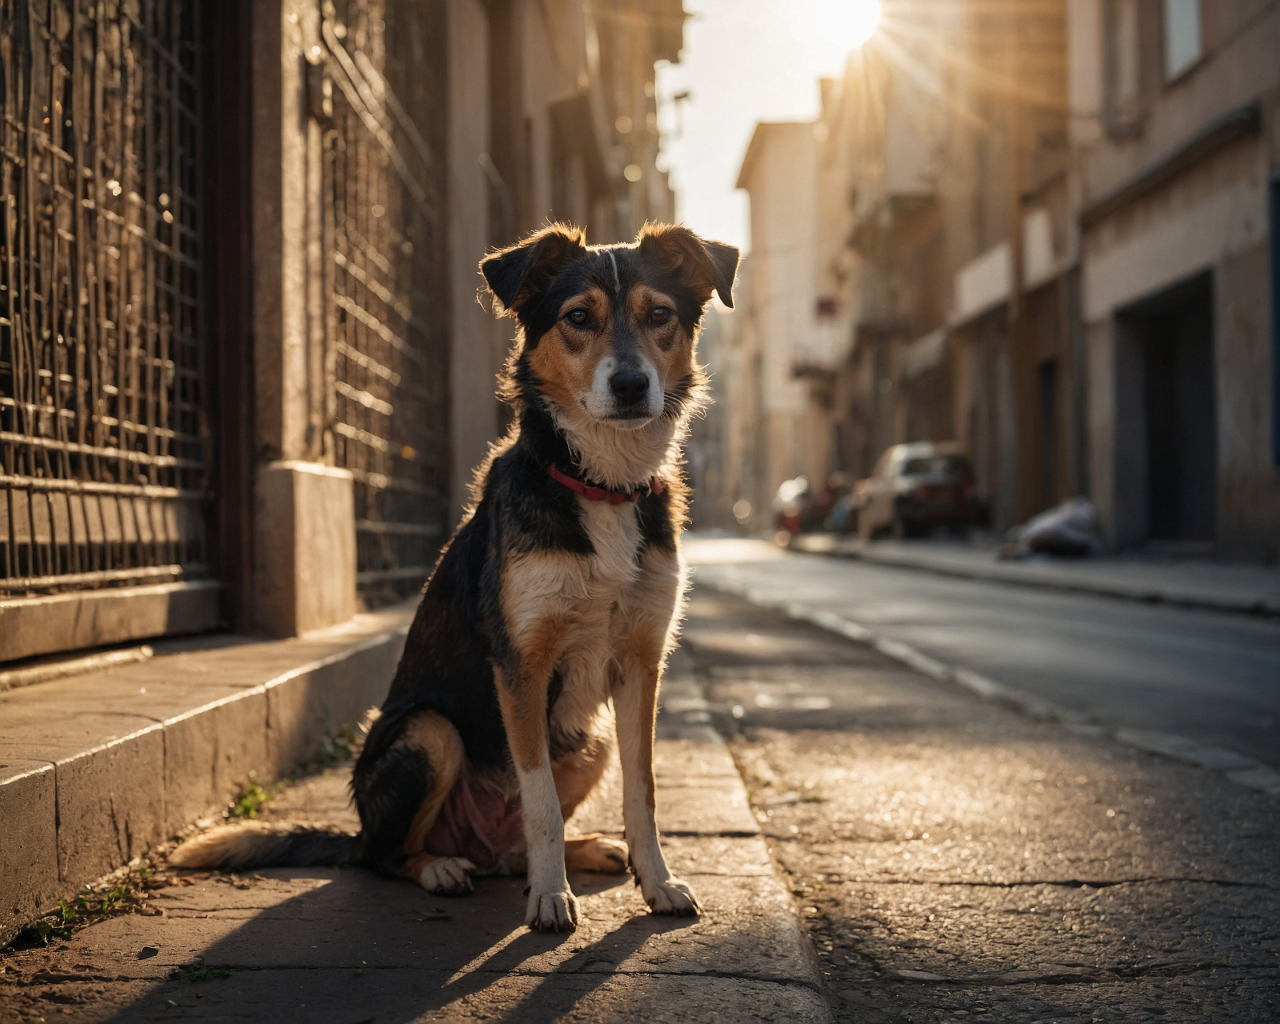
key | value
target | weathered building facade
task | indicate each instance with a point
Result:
(244, 375)
(1042, 230)
(923, 153)
(1177, 149)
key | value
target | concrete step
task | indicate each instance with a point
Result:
(98, 767)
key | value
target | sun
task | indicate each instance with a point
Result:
(841, 25)
(861, 18)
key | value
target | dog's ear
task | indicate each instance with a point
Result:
(526, 268)
(700, 265)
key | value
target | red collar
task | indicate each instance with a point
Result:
(655, 486)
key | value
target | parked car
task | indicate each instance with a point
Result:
(916, 487)
(798, 509)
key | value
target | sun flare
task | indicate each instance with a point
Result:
(863, 19)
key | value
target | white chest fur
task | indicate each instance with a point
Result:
(611, 571)
(615, 536)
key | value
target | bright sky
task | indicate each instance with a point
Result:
(745, 61)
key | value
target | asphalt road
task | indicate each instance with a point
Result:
(1213, 677)
(954, 860)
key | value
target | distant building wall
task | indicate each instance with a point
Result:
(778, 173)
(1173, 194)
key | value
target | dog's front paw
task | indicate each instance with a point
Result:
(671, 897)
(447, 876)
(552, 912)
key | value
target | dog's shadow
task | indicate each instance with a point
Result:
(574, 978)
(350, 947)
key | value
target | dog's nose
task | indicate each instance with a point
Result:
(629, 386)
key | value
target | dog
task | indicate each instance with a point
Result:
(548, 619)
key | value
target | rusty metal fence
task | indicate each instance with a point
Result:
(382, 180)
(102, 435)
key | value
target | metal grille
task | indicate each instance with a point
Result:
(102, 451)
(389, 344)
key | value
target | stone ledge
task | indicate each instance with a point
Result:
(97, 768)
(32, 626)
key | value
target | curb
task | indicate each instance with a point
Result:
(1027, 576)
(1239, 768)
(89, 782)
(707, 800)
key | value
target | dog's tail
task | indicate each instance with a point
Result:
(261, 844)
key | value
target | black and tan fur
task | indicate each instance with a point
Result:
(548, 616)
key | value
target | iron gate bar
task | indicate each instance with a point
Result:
(390, 359)
(102, 430)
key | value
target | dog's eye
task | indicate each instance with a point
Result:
(658, 316)
(578, 317)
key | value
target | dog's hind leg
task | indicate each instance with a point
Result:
(400, 796)
(596, 853)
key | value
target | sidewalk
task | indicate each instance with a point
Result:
(328, 945)
(1220, 586)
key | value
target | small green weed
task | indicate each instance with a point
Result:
(252, 796)
(339, 748)
(86, 909)
(198, 971)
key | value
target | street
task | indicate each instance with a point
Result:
(938, 856)
(955, 860)
(1212, 677)
(407, 404)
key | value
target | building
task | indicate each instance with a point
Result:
(1046, 232)
(767, 395)
(1176, 150)
(244, 376)
(887, 271)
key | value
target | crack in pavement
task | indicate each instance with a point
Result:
(1166, 969)
(365, 968)
(1070, 883)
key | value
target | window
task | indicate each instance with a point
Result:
(1124, 64)
(1182, 44)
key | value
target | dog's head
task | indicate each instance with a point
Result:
(607, 332)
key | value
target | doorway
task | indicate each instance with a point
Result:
(1172, 338)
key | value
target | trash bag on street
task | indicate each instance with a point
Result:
(1069, 530)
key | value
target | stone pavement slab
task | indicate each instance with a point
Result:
(329, 945)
